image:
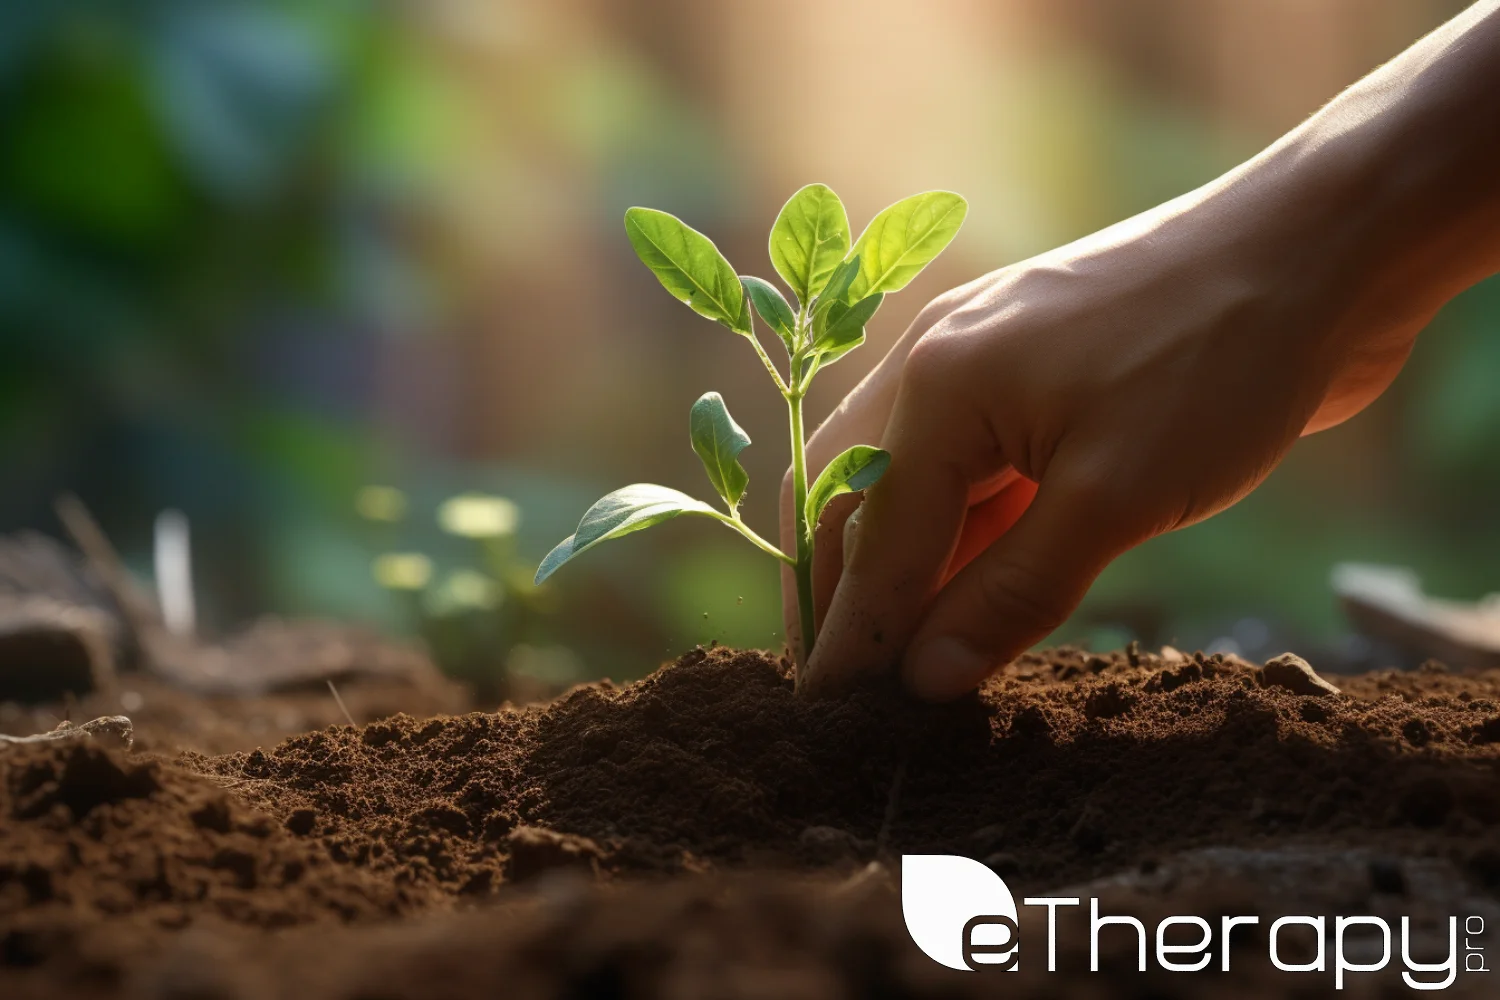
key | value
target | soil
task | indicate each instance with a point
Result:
(705, 832)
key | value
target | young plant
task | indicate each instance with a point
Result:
(836, 287)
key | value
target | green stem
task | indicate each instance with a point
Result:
(803, 564)
(766, 360)
(734, 522)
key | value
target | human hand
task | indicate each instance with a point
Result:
(1134, 382)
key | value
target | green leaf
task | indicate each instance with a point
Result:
(810, 237)
(839, 282)
(689, 266)
(623, 511)
(718, 440)
(772, 308)
(842, 327)
(854, 470)
(904, 238)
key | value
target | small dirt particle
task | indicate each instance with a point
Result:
(302, 821)
(1417, 732)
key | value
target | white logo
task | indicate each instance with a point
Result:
(962, 915)
(958, 912)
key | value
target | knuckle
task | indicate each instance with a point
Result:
(934, 361)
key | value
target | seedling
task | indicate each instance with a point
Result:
(836, 287)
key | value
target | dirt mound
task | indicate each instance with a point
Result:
(91, 835)
(1066, 766)
(1067, 769)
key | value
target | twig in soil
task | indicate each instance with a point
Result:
(236, 782)
(111, 730)
(890, 807)
(342, 707)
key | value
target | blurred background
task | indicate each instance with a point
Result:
(305, 270)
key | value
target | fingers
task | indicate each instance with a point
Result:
(909, 527)
(1018, 590)
(860, 419)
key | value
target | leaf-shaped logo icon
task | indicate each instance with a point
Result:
(941, 895)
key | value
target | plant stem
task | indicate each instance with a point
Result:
(744, 529)
(766, 360)
(803, 565)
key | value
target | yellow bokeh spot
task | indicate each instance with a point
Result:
(402, 570)
(467, 588)
(477, 515)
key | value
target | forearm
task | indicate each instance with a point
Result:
(1395, 185)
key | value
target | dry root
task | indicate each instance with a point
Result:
(114, 731)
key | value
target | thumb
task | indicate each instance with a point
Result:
(1018, 590)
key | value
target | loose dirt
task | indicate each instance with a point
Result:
(705, 826)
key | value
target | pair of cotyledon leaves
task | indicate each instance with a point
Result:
(810, 249)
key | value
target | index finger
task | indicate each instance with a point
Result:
(909, 532)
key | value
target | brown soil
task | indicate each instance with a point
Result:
(525, 853)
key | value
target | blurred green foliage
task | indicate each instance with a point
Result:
(190, 192)
(257, 254)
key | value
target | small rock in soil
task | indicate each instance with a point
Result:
(536, 849)
(1296, 675)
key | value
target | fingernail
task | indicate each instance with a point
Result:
(943, 668)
